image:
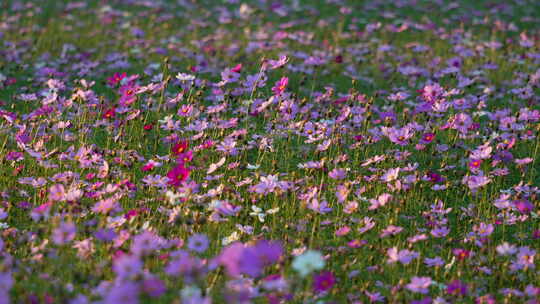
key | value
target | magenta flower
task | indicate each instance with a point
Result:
(280, 86)
(456, 287)
(177, 175)
(116, 78)
(523, 206)
(323, 281)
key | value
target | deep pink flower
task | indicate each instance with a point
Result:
(280, 86)
(523, 206)
(177, 175)
(116, 78)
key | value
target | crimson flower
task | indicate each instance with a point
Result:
(180, 147)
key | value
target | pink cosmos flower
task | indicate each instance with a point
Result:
(280, 86)
(177, 175)
(419, 284)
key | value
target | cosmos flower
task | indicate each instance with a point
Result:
(180, 147)
(399, 136)
(116, 78)
(127, 266)
(323, 281)
(457, 287)
(308, 262)
(185, 77)
(177, 175)
(419, 284)
(275, 64)
(280, 86)
(198, 243)
(403, 256)
(255, 258)
(523, 206)
(65, 233)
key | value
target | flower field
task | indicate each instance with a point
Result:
(294, 151)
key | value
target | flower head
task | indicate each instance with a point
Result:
(308, 262)
(323, 281)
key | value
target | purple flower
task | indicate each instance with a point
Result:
(65, 233)
(524, 259)
(523, 206)
(320, 207)
(255, 258)
(391, 230)
(274, 64)
(399, 136)
(390, 175)
(475, 181)
(381, 200)
(461, 122)
(125, 292)
(230, 258)
(127, 266)
(404, 256)
(145, 243)
(440, 232)
(484, 229)
(341, 193)
(154, 287)
(198, 243)
(433, 262)
(183, 264)
(337, 173)
(456, 287)
(57, 192)
(105, 235)
(269, 184)
(14, 155)
(323, 281)
(229, 76)
(419, 284)
(431, 93)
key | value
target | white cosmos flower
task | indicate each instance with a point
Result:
(185, 77)
(308, 262)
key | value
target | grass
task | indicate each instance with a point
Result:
(158, 42)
